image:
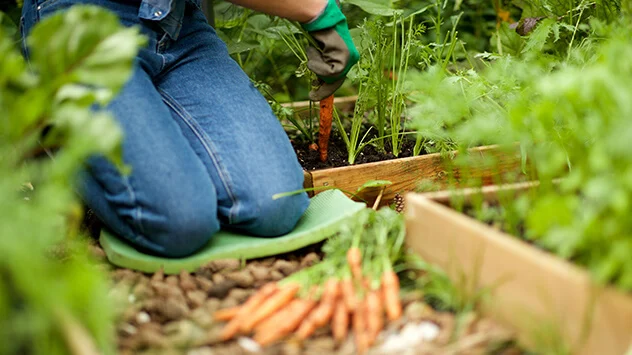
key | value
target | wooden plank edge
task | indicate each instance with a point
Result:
(433, 170)
(339, 102)
(426, 219)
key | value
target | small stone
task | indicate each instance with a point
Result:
(127, 329)
(260, 273)
(203, 283)
(168, 309)
(241, 278)
(142, 318)
(276, 275)
(151, 325)
(172, 280)
(158, 275)
(129, 313)
(187, 282)
(268, 262)
(196, 298)
(212, 305)
(429, 331)
(249, 345)
(285, 267)
(150, 338)
(239, 294)
(221, 289)
(183, 333)
(310, 259)
(165, 290)
(202, 317)
(218, 278)
(143, 290)
(228, 303)
(224, 265)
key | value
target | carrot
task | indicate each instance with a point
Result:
(360, 328)
(322, 313)
(324, 130)
(340, 322)
(226, 314)
(390, 287)
(232, 328)
(348, 294)
(374, 315)
(354, 258)
(275, 302)
(286, 321)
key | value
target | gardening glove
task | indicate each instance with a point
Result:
(337, 53)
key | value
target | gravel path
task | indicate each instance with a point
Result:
(174, 315)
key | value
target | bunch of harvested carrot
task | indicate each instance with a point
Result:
(358, 291)
(274, 312)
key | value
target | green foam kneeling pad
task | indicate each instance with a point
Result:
(321, 220)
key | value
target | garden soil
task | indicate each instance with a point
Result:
(337, 154)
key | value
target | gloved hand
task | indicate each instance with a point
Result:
(337, 52)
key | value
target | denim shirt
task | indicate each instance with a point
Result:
(168, 13)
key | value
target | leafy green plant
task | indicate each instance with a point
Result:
(45, 301)
(568, 110)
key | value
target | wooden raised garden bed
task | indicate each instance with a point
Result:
(531, 290)
(406, 174)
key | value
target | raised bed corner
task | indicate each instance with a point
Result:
(535, 292)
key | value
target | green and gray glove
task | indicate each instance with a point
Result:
(337, 52)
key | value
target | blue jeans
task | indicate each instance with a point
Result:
(205, 149)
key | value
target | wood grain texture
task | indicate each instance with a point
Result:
(531, 290)
(301, 108)
(406, 174)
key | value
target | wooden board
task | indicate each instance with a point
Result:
(406, 174)
(301, 108)
(531, 290)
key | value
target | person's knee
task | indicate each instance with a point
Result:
(271, 218)
(183, 232)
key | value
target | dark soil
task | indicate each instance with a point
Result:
(337, 153)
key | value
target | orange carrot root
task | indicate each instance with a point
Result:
(354, 258)
(226, 314)
(286, 321)
(348, 294)
(273, 303)
(390, 287)
(375, 315)
(322, 313)
(232, 328)
(340, 322)
(360, 329)
(324, 130)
